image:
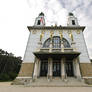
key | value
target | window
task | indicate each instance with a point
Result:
(73, 22)
(47, 43)
(38, 22)
(66, 43)
(56, 42)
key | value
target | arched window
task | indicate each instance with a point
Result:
(56, 42)
(66, 43)
(47, 43)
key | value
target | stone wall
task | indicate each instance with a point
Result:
(86, 69)
(26, 70)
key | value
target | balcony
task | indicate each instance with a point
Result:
(56, 49)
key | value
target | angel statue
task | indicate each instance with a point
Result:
(41, 35)
(61, 35)
(71, 36)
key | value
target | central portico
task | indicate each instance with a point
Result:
(56, 58)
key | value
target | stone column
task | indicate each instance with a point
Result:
(77, 68)
(63, 68)
(39, 64)
(62, 46)
(49, 68)
(50, 49)
(35, 69)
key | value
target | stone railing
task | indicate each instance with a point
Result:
(56, 49)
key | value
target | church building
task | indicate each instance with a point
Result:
(56, 51)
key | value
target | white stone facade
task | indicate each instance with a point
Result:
(34, 38)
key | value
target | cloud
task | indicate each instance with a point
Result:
(52, 10)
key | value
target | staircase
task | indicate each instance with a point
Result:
(57, 82)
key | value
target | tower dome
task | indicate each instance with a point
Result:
(40, 21)
(70, 14)
(72, 20)
(41, 14)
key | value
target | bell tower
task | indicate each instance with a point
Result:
(40, 21)
(72, 20)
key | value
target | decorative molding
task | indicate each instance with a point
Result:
(34, 31)
(78, 31)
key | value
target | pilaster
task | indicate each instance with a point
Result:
(36, 69)
(63, 68)
(77, 68)
(62, 46)
(50, 49)
(38, 72)
(49, 68)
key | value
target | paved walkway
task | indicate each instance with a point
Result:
(6, 87)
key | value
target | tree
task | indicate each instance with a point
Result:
(9, 65)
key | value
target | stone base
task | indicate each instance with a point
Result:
(26, 70)
(63, 77)
(49, 77)
(22, 81)
(34, 78)
(88, 81)
(25, 74)
(86, 69)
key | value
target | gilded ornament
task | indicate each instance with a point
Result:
(71, 36)
(61, 35)
(51, 35)
(78, 31)
(41, 36)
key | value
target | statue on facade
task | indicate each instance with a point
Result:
(71, 36)
(51, 35)
(61, 35)
(41, 35)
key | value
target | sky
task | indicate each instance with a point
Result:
(16, 15)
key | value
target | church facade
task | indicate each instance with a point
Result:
(56, 51)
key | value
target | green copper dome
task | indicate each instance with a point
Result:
(41, 14)
(70, 14)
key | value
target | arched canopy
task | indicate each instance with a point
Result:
(56, 42)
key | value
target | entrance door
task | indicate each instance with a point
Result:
(56, 68)
(69, 69)
(44, 68)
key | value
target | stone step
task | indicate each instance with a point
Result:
(57, 82)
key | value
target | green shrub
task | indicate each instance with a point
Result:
(12, 75)
(4, 77)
